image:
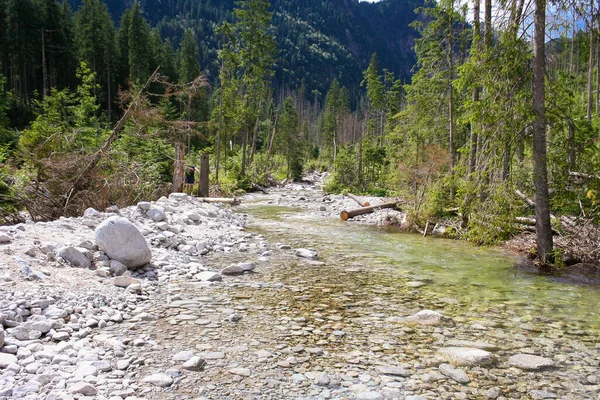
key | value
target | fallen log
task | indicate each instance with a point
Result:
(526, 199)
(346, 214)
(360, 203)
(226, 200)
(583, 175)
(568, 224)
(525, 220)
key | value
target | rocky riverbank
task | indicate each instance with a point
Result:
(221, 313)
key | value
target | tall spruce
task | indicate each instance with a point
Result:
(256, 56)
(140, 52)
(540, 180)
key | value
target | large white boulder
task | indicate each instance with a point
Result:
(122, 241)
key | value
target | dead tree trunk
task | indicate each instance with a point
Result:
(203, 183)
(179, 166)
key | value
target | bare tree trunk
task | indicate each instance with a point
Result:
(488, 24)
(590, 95)
(520, 150)
(476, 42)
(44, 70)
(360, 153)
(219, 132)
(506, 161)
(109, 94)
(254, 138)
(244, 145)
(451, 148)
(572, 53)
(272, 137)
(334, 150)
(540, 180)
(203, 183)
(179, 166)
(571, 146)
(597, 80)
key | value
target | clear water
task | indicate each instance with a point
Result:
(482, 279)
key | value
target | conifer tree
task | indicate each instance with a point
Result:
(189, 67)
(93, 22)
(139, 46)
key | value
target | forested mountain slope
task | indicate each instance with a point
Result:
(318, 40)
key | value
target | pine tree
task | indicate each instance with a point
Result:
(256, 56)
(94, 22)
(139, 46)
(189, 67)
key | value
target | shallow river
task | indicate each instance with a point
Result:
(480, 279)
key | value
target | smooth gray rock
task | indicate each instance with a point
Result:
(456, 374)
(247, 266)
(466, 356)
(122, 241)
(209, 276)
(47, 247)
(493, 393)
(542, 394)
(24, 333)
(194, 364)
(232, 270)
(183, 355)
(156, 214)
(160, 380)
(530, 362)
(195, 217)
(54, 312)
(74, 257)
(4, 238)
(83, 388)
(124, 281)
(240, 371)
(144, 205)
(91, 212)
(117, 268)
(307, 253)
(42, 325)
(61, 336)
(426, 317)
(1, 336)
(394, 371)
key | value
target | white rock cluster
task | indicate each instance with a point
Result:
(63, 280)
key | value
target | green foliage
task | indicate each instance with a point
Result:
(189, 67)
(493, 220)
(139, 52)
(345, 175)
(66, 122)
(289, 140)
(96, 40)
(8, 137)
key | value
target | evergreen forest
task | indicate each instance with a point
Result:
(479, 113)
